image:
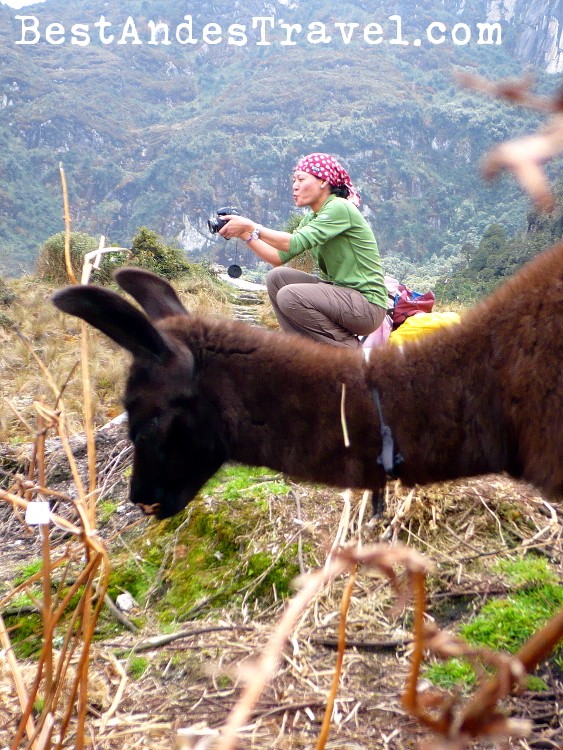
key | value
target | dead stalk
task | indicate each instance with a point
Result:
(46, 555)
(68, 259)
(89, 424)
(344, 608)
(64, 692)
(409, 698)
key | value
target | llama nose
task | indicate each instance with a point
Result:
(150, 510)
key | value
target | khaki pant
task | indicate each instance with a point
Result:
(320, 310)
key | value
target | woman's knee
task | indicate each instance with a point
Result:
(287, 300)
(274, 281)
(284, 275)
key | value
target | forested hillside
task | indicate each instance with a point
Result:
(498, 255)
(159, 134)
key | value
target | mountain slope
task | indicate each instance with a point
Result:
(161, 134)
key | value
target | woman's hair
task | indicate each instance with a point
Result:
(342, 191)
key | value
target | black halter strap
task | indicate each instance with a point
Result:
(389, 458)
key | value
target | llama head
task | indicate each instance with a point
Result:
(176, 432)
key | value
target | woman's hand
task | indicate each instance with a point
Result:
(268, 244)
(236, 226)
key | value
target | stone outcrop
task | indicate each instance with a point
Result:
(539, 29)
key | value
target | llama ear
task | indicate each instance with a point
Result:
(114, 316)
(155, 295)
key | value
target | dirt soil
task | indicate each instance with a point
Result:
(194, 679)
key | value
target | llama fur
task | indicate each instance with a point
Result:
(484, 396)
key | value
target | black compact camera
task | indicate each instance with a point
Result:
(218, 223)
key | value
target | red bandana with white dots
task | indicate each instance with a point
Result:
(325, 167)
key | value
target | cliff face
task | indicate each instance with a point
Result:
(532, 28)
(539, 30)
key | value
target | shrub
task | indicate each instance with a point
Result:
(7, 296)
(149, 251)
(51, 264)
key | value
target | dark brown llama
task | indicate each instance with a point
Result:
(480, 397)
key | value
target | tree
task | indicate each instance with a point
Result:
(492, 246)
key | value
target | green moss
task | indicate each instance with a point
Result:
(137, 666)
(207, 549)
(25, 634)
(24, 619)
(134, 576)
(279, 573)
(458, 674)
(236, 482)
(208, 556)
(506, 623)
(536, 684)
(455, 673)
(224, 682)
(27, 571)
(106, 509)
(531, 570)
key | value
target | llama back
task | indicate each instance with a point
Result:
(487, 395)
(527, 344)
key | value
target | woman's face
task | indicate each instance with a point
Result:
(309, 190)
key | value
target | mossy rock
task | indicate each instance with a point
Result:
(208, 556)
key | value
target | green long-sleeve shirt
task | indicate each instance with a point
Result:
(344, 247)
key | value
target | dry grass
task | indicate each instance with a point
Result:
(54, 338)
(463, 528)
(368, 712)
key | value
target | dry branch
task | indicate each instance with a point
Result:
(525, 157)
